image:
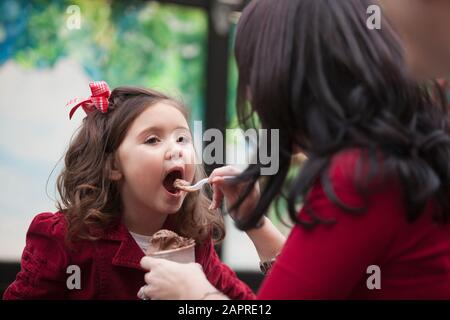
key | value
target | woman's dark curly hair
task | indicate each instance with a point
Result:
(313, 70)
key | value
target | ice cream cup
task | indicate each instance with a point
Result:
(181, 255)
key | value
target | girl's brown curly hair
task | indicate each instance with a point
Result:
(91, 201)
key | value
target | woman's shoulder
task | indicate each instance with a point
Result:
(347, 159)
(356, 181)
(358, 165)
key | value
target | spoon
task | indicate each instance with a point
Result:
(184, 185)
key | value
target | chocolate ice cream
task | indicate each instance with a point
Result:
(183, 185)
(167, 240)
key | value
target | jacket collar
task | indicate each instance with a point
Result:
(129, 254)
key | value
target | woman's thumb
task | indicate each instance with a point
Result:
(217, 197)
(149, 263)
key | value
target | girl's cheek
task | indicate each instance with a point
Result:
(152, 164)
(190, 172)
(189, 154)
(190, 164)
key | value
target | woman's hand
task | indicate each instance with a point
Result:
(267, 239)
(167, 280)
(231, 192)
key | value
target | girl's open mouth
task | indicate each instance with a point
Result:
(170, 179)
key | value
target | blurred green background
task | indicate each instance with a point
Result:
(149, 44)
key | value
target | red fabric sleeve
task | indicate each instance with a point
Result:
(43, 264)
(222, 277)
(329, 261)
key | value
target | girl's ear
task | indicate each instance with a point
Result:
(116, 173)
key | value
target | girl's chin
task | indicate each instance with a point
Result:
(168, 202)
(173, 212)
(173, 205)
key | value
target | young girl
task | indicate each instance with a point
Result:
(375, 220)
(116, 191)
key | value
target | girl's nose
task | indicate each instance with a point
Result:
(174, 153)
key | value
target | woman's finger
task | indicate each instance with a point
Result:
(224, 171)
(141, 294)
(148, 277)
(217, 197)
(149, 263)
(148, 291)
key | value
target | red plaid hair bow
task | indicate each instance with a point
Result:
(98, 100)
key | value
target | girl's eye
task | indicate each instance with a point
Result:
(183, 139)
(152, 140)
